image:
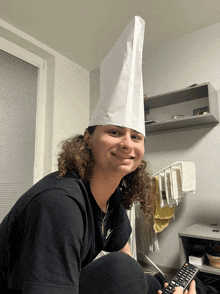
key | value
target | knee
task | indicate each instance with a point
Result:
(124, 265)
(111, 271)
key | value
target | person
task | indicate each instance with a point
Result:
(50, 239)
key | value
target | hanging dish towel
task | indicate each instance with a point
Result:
(175, 181)
(162, 215)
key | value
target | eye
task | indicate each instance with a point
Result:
(137, 137)
(114, 132)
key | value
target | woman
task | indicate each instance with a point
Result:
(52, 234)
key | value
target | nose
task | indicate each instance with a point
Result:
(126, 143)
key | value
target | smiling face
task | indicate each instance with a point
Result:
(115, 149)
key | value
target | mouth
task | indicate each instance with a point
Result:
(123, 157)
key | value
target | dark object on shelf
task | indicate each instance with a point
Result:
(147, 122)
(201, 110)
(213, 254)
(197, 256)
(214, 249)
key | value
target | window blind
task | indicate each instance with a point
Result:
(18, 102)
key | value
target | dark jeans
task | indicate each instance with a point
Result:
(116, 273)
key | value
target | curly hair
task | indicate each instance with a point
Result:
(135, 186)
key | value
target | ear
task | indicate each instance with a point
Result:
(87, 138)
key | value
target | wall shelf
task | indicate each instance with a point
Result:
(162, 108)
(198, 234)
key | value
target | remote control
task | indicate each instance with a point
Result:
(183, 278)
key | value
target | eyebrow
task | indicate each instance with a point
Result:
(126, 128)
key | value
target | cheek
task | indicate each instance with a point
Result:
(141, 151)
(98, 152)
(139, 154)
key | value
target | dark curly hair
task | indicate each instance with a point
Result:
(135, 187)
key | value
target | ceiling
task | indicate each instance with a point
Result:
(84, 31)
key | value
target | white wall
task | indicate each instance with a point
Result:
(185, 61)
(191, 59)
(94, 89)
(71, 102)
(67, 92)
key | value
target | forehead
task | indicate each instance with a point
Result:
(118, 127)
(103, 128)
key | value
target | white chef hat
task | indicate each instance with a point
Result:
(121, 84)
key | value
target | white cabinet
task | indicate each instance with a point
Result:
(198, 234)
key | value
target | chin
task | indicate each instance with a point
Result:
(125, 171)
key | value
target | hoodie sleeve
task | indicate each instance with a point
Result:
(47, 255)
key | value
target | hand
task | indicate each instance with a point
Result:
(159, 291)
(177, 290)
(192, 288)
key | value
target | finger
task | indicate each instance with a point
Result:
(165, 285)
(159, 292)
(177, 290)
(192, 287)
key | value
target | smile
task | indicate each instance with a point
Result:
(123, 157)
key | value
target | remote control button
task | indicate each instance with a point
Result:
(184, 283)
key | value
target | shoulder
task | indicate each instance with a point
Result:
(70, 186)
(52, 193)
(56, 208)
(61, 191)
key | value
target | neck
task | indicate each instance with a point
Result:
(102, 187)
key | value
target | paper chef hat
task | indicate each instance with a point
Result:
(121, 84)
